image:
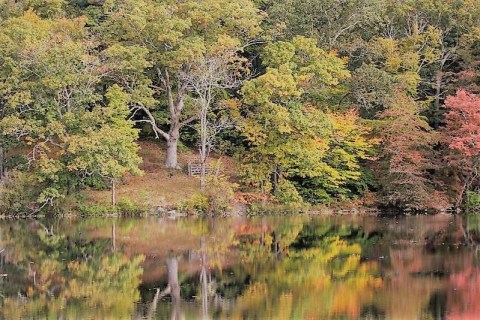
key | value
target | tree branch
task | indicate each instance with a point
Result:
(151, 120)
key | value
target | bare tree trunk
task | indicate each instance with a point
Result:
(114, 198)
(70, 188)
(464, 229)
(203, 145)
(2, 163)
(438, 93)
(278, 249)
(173, 135)
(438, 88)
(203, 280)
(171, 161)
(203, 79)
(153, 307)
(175, 107)
(203, 176)
(172, 266)
(2, 259)
(114, 237)
(275, 178)
(466, 186)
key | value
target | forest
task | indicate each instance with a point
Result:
(316, 102)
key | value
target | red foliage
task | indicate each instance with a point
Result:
(408, 157)
(463, 123)
(462, 136)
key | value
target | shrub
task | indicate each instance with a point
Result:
(472, 201)
(196, 204)
(18, 195)
(130, 208)
(286, 193)
(97, 209)
(124, 207)
(216, 199)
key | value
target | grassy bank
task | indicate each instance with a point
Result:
(158, 186)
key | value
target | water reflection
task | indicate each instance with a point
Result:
(54, 273)
(297, 267)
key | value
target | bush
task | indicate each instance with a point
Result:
(216, 199)
(196, 204)
(97, 209)
(286, 193)
(129, 208)
(473, 201)
(18, 195)
(124, 207)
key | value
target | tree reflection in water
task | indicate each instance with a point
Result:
(51, 274)
(295, 267)
(312, 271)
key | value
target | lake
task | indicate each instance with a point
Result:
(274, 267)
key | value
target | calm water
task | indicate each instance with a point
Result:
(300, 267)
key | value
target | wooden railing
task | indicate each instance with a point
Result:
(195, 168)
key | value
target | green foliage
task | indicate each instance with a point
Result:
(285, 129)
(97, 209)
(286, 193)
(473, 221)
(156, 48)
(127, 207)
(371, 88)
(286, 126)
(341, 28)
(472, 202)
(216, 199)
(196, 204)
(17, 194)
(51, 106)
(124, 207)
(318, 257)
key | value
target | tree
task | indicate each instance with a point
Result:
(450, 20)
(462, 135)
(370, 88)
(469, 52)
(177, 36)
(335, 24)
(44, 9)
(349, 145)
(51, 106)
(407, 157)
(219, 72)
(395, 99)
(287, 131)
(107, 150)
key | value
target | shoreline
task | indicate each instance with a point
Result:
(174, 213)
